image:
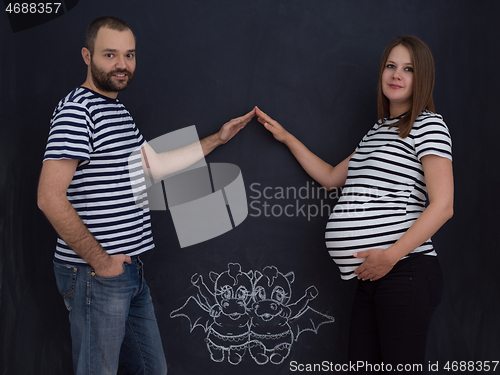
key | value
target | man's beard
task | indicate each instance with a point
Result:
(104, 81)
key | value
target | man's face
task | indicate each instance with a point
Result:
(112, 64)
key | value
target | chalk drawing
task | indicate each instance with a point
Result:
(250, 312)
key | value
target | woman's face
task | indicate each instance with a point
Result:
(397, 80)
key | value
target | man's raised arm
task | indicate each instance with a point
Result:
(159, 165)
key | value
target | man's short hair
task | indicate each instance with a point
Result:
(106, 21)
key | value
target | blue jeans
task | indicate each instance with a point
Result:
(113, 325)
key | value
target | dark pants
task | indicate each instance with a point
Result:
(391, 317)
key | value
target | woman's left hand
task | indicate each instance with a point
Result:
(376, 265)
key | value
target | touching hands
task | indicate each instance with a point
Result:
(232, 127)
(377, 264)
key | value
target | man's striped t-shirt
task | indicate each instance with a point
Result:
(385, 190)
(100, 132)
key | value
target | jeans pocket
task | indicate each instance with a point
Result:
(65, 280)
(110, 278)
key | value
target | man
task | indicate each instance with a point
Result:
(86, 190)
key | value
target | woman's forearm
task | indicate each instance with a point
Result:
(325, 174)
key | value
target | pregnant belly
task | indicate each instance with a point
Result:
(347, 236)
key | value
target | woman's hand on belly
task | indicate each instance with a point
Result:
(377, 264)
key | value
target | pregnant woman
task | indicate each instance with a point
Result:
(380, 230)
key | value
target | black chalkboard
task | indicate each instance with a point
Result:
(312, 65)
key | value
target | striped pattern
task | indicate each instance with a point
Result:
(100, 132)
(385, 190)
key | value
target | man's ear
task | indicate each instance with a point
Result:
(86, 55)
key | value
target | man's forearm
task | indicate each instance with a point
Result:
(159, 165)
(210, 143)
(73, 231)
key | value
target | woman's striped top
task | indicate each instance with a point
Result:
(100, 132)
(385, 190)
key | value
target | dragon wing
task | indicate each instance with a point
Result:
(196, 312)
(308, 320)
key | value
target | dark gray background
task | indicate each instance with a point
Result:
(313, 66)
